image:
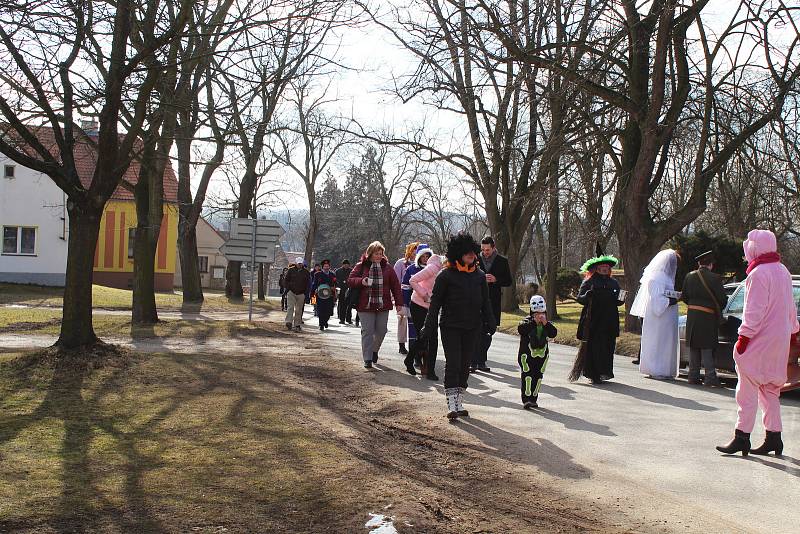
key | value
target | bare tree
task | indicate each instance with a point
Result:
(254, 80)
(62, 59)
(726, 85)
(308, 145)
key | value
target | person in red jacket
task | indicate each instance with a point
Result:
(375, 280)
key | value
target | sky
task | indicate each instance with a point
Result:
(362, 92)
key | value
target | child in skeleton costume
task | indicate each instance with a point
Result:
(533, 350)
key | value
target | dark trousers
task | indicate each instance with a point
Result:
(284, 303)
(343, 309)
(431, 344)
(532, 364)
(482, 354)
(459, 350)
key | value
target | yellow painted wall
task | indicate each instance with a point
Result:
(112, 250)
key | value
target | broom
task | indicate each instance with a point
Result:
(580, 359)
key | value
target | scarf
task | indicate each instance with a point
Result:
(465, 268)
(488, 262)
(769, 257)
(376, 289)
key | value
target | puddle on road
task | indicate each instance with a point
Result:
(380, 524)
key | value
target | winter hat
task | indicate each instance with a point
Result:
(538, 305)
(299, 261)
(422, 249)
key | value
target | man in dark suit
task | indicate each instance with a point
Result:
(704, 293)
(498, 276)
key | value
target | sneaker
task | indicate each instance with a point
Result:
(635, 362)
(367, 365)
(484, 368)
(529, 405)
(374, 357)
(410, 370)
(452, 416)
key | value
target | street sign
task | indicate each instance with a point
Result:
(241, 250)
(254, 241)
(265, 229)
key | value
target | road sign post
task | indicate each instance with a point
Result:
(251, 241)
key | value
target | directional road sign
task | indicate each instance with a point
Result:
(241, 250)
(265, 229)
(254, 241)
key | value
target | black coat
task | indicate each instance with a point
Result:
(500, 270)
(463, 299)
(701, 327)
(529, 337)
(342, 274)
(603, 294)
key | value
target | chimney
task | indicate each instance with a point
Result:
(90, 126)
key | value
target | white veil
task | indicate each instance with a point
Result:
(658, 276)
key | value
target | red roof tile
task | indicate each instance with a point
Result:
(86, 161)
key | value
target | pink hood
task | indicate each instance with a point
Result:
(422, 282)
(759, 242)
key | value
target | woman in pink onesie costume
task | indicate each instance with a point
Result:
(768, 323)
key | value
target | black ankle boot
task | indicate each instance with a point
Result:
(772, 443)
(739, 443)
(409, 363)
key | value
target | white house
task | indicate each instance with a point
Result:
(211, 261)
(34, 227)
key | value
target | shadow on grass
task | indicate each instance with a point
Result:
(139, 454)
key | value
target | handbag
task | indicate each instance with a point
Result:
(721, 321)
(354, 293)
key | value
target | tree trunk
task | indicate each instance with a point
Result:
(76, 322)
(553, 250)
(311, 235)
(260, 281)
(148, 228)
(190, 268)
(233, 280)
(149, 197)
(637, 254)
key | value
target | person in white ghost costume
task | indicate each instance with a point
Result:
(653, 303)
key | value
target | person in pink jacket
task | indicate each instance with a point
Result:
(769, 321)
(422, 286)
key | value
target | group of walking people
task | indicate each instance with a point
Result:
(458, 299)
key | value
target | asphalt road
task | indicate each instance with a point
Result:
(647, 443)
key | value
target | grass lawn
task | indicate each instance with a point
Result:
(48, 322)
(121, 299)
(120, 442)
(569, 313)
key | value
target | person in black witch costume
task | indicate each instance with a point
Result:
(598, 328)
(462, 295)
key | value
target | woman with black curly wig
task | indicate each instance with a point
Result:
(461, 294)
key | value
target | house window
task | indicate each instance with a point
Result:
(202, 263)
(19, 240)
(8, 172)
(218, 273)
(131, 239)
